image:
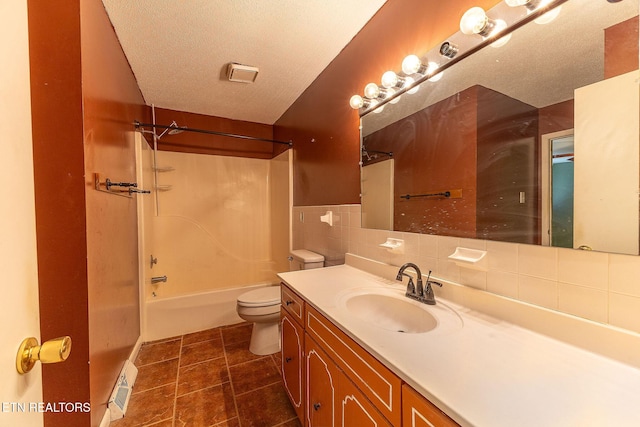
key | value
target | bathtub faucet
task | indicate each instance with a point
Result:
(158, 279)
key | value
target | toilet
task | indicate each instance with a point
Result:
(262, 306)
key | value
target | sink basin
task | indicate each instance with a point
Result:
(391, 313)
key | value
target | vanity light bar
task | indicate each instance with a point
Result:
(474, 21)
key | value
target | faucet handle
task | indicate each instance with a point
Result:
(433, 282)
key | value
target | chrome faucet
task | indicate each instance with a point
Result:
(419, 293)
(412, 291)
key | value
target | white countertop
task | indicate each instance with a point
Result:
(487, 373)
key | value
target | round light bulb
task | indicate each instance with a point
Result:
(431, 68)
(408, 82)
(379, 109)
(500, 26)
(473, 21)
(390, 92)
(371, 91)
(389, 79)
(411, 64)
(356, 102)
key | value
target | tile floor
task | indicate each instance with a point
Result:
(208, 379)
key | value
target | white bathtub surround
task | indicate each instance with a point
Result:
(594, 285)
(217, 225)
(492, 372)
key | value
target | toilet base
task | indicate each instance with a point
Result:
(265, 338)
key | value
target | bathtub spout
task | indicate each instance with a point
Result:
(158, 279)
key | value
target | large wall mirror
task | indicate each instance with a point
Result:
(536, 141)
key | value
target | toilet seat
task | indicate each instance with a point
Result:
(268, 296)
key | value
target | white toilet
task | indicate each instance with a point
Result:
(262, 306)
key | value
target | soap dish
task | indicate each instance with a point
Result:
(470, 258)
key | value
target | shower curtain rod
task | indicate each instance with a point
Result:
(137, 124)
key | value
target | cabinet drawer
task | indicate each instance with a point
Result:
(381, 386)
(419, 412)
(292, 302)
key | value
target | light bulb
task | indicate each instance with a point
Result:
(390, 92)
(389, 79)
(474, 21)
(356, 102)
(500, 26)
(371, 91)
(411, 65)
(408, 82)
(372, 105)
(431, 68)
(548, 17)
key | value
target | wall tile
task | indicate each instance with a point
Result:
(538, 261)
(502, 256)
(502, 283)
(583, 268)
(447, 246)
(596, 286)
(538, 291)
(623, 311)
(624, 274)
(474, 278)
(583, 302)
(428, 245)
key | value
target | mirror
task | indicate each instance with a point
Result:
(533, 142)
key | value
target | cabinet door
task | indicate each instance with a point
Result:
(321, 385)
(354, 409)
(293, 362)
(419, 412)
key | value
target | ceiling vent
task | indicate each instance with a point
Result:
(241, 73)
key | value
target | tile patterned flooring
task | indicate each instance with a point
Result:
(208, 379)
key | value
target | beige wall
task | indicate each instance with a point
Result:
(597, 286)
(222, 223)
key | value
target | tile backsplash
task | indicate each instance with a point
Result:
(597, 286)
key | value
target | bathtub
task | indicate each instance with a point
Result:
(175, 316)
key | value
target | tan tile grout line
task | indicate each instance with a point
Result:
(259, 388)
(175, 395)
(233, 391)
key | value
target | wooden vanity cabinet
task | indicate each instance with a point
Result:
(332, 381)
(333, 400)
(419, 412)
(379, 384)
(292, 340)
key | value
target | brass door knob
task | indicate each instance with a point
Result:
(52, 351)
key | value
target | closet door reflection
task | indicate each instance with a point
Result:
(607, 174)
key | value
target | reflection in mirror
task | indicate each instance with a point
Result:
(533, 142)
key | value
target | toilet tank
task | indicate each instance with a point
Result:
(302, 259)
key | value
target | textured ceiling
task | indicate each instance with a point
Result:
(179, 50)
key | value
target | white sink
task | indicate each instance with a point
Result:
(389, 309)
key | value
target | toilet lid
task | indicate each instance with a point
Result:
(269, 295)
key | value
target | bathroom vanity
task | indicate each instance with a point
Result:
(355, 351)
